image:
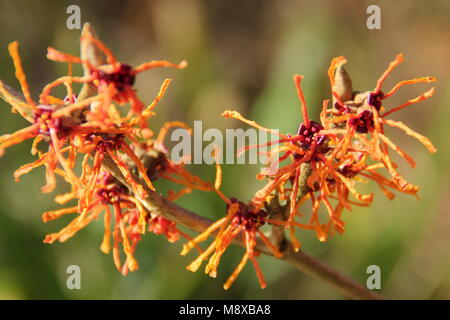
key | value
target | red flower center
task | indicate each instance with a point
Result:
(122, 77)
(43, 117)
(364, 122)
(375, 99)
(309, 137)
(110, 195)
(247, 218)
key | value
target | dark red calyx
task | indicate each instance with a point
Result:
(309, 136)
(347, 171)
(122, 77)
(364, 122)
(110, 195)
(44, 118)
(250, 220)
(110, 142)
(375, 99)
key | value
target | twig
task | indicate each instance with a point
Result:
(278, 212)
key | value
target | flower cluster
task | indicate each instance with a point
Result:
(241, 220)
(321, 163)
(119, 159)
(91, 130)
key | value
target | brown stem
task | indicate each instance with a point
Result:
(278, 212)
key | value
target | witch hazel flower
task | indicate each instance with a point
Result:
(125, 219)
(49, 122)
(363, 116)
(311, 154)
(241, 222)
(102, 193)
(114, 79)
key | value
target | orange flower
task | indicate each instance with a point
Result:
(115, 80)
(48, 123)
(98, 147)
(308, 145)
(308, 149)
(127, 225)
(364, 114)
(242, 222)
(129, 218)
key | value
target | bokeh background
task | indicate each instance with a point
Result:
(241, 55)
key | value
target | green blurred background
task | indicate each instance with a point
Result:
(241, 55)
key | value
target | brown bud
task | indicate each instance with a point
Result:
(342, 84)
